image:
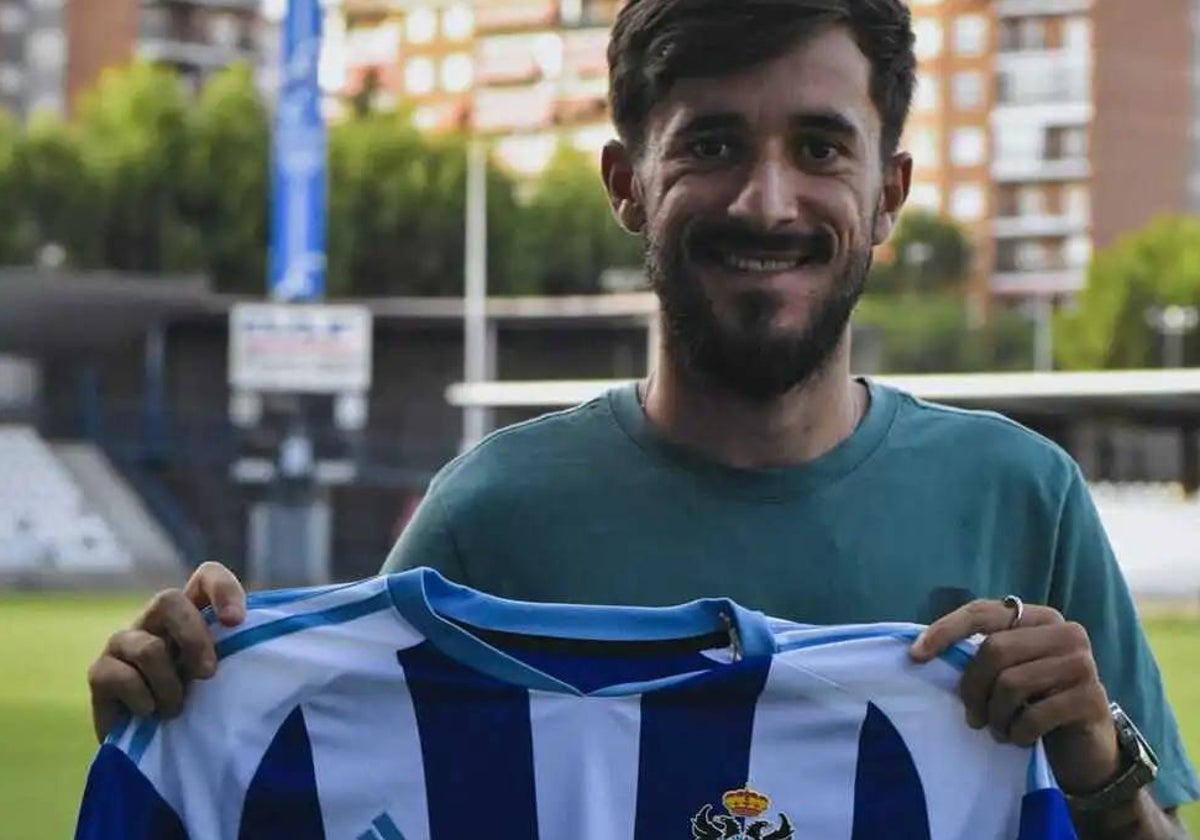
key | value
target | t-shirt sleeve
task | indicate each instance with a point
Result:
(120, 801)
(428, 540)
(1090, 588)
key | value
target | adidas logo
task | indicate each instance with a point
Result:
(382, 828)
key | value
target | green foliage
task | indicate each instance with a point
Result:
(134, 132)
(149, 180)
(930, 254)
(933, 334)
(224, 190)
(568, 235)
(1107, 328)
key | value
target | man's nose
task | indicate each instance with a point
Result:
(768, 199)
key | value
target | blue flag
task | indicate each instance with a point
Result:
(298, 190)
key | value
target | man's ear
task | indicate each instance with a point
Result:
(620, 179)
(897, 181)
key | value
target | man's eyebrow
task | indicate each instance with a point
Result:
(701, 123)
(829, 122)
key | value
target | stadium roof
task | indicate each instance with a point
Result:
(1153, 392)
(44, 312)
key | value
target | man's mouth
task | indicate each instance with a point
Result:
(754, 252)
(756, 259)
(770, 263)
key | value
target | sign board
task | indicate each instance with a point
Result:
(299, 348)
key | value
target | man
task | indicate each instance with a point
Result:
(758, 159)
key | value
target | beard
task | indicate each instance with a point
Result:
(749, 359)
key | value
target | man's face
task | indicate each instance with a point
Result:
(761, 196)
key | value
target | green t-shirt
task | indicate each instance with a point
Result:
(922, 508)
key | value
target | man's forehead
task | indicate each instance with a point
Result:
(826, 74)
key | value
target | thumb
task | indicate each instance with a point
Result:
(214, 585)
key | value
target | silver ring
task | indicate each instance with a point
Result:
(1018, 606)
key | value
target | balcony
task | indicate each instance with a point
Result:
(1038, 283)
(1031, 8)
(1040, 170)
(192, 53)
(248, 6)
(1042, 225)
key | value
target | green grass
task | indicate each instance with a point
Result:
(46, 644)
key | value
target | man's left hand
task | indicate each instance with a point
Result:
(1035, 680)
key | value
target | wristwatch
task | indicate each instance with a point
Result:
(1139, 768)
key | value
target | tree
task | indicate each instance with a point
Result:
(927, 254)
(58, 192)
(1155, 266)
(224, 191)
(567, 235)
(133, 127)
(11, 198)
(397, 210)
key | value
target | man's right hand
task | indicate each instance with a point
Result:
(143, 670)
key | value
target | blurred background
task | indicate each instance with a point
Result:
(266, 267)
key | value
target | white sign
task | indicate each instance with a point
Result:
(299, 348)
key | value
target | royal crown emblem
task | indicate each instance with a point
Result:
(744, 808)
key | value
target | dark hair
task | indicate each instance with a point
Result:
(654, 43)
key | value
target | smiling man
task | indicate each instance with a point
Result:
(758, 158)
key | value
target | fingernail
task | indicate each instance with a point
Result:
(918, 646)
(208, 666)
(230, 612)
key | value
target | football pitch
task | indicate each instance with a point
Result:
(46, 643)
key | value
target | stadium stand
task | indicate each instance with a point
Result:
(1155, 531)
(51, 532)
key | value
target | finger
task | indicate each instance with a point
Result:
(151, 657)
(1020, 688)
(214, 585)
(975, 617)
(1054, 712)
(180, 623)
(1008, 649)
(117, 690)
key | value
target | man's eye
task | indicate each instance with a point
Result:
(711, 149)
(819, 151)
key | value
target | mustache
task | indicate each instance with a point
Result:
(731, 234)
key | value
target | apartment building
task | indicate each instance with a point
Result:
(1050, 127)
(532, 73)
(53, 50)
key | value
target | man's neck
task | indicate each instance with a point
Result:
(798, 427)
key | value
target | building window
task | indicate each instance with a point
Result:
(968, 146)
(421, 26)
(1077, 35)
(968, 90)
(224, 30)
(1078, 203)
(1031, 201)
(926, 197)
(968, 203)
(457, 72)
(1031, 256)
(1066, 143)
(929, 38)
(48, 48)
(457, 22)
(925, 145)
(928, 94)
(12, 80)
(970, 35)
(419, 76)
(1078, 251)
(12, 18)
(1023, 34)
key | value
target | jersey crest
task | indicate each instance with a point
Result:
(743, 820)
